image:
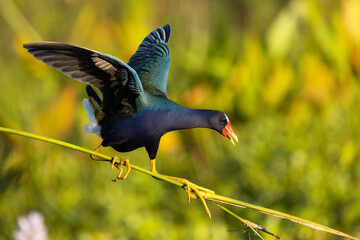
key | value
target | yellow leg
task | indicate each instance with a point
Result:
(114, 163)
(192, 190)
(152, 166)
(96, 158)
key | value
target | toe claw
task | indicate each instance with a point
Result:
(113, 162)
(188, 191)
(118, 166)
(200, 195)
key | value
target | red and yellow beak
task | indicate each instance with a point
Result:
(229, 133)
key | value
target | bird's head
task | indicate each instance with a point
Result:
(221, 123)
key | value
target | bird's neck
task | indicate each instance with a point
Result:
(186, 118)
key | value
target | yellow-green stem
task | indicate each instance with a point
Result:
(208, 196)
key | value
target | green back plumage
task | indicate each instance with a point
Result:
(151, 61)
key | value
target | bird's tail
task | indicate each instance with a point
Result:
(93, 111)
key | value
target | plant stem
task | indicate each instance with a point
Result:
(237, 203)
(208, 196)
(84, 150)
(240, 219)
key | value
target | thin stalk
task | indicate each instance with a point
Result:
(84, 150)
(208, 196)
(240, 219)
(271, 212)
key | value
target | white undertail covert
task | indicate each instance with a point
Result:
(93, 126)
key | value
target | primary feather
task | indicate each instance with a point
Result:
(118, 83)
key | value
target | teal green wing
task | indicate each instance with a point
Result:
(151, 61)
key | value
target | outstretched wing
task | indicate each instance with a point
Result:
(151, 60)
(118, 83)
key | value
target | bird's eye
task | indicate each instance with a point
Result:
(223, 120)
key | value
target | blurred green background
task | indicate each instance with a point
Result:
(285, 72)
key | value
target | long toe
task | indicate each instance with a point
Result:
(200, 192)
(119, 166)
(194, 191)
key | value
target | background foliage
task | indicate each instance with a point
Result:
(285, 72)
